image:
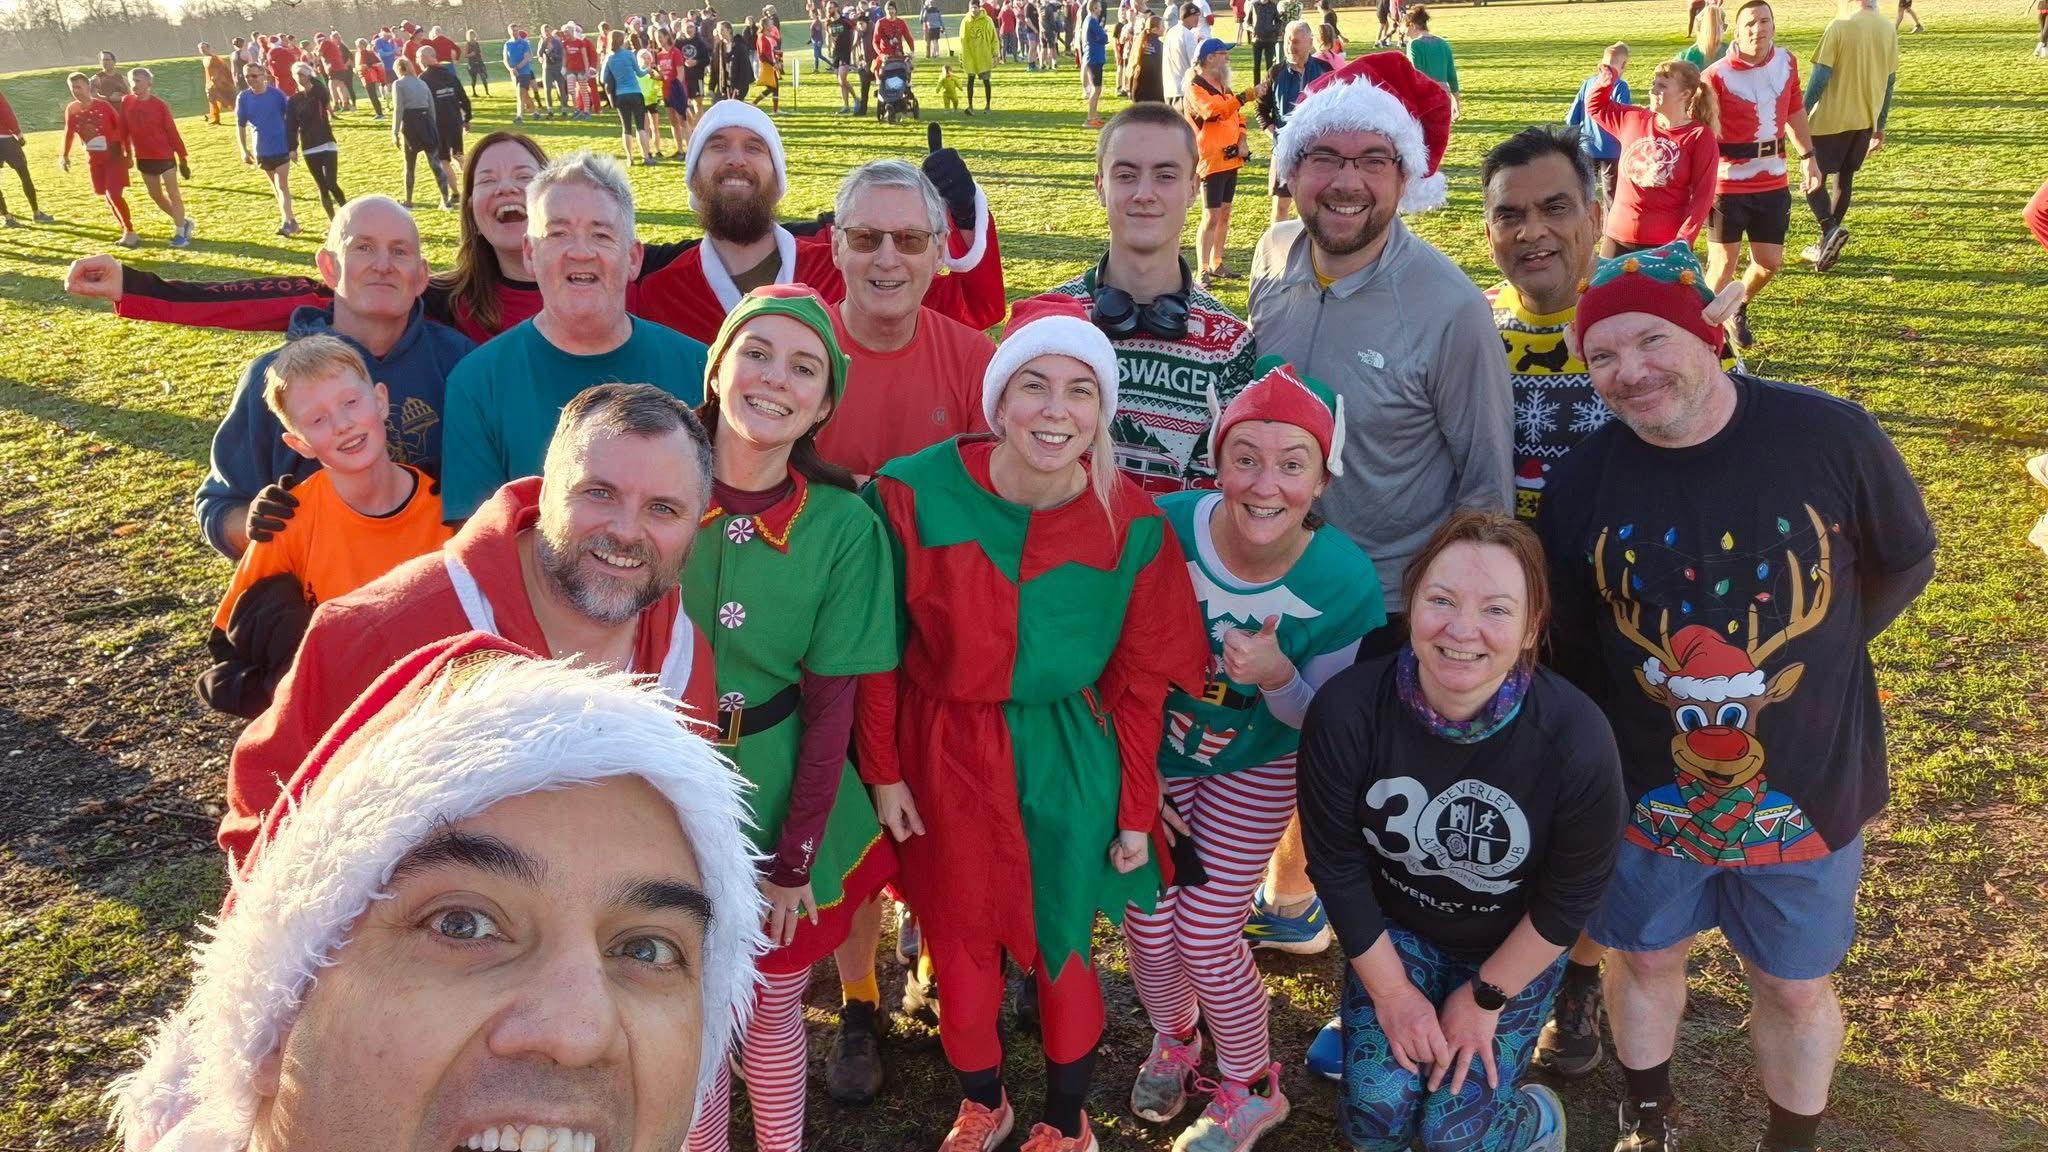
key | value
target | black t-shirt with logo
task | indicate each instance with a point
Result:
(1710, 598)
(1456, 842)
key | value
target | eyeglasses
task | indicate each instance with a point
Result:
(909, 241)
(1326, 164)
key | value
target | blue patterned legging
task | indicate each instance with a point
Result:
(1386, 1108)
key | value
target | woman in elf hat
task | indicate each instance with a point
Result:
(1046, 610)
(1286, 599)
(1461, 806)
(790, 581)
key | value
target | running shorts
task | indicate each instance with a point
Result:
(1764, 217)
(155, 167)
(273, 163)
(1840, 152)
(1219, 189)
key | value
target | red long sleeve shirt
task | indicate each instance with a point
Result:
(9, 126)
(1667, 178)
(94, 118)
(152, 132)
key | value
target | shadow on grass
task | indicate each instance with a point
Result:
(165, 433)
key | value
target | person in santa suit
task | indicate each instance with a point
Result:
(580, 561)
(790, 580)
(737, 177)
(420, 946)
(1285, 599)
(1047, 613)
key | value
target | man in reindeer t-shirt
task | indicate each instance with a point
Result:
(1721, 556)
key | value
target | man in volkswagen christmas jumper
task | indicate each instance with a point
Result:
(1721, 557)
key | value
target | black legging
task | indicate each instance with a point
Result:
(1265, 54)
(867, 79)
(376, 105)
(987, 97)
(1828, 212)
(324, 167)
(420, 138)
(11, 155)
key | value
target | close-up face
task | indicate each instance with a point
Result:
(734, 180)
(618, 514)
(377, 269)
(886, 282)
(1755, 30)
(1541, 226)
(1347, 187)
(1269, 473)
(337, 418)
(1301, 44)
(1668, 97)
(582, 253)
(1049, 411)
(80, 90)
(775, 382)
(259, 79)
(1147, 184)
(1657, 377)
(1216, 67)
(1469, 621)
(513, 980)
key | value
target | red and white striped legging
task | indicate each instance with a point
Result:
(773, 1054)
(1189, 957)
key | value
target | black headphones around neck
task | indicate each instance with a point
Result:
(1165, 316)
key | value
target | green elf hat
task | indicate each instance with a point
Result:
(1280, 394)
(799, 302)
(1666, 282)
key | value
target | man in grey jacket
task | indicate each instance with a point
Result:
(1349, 295)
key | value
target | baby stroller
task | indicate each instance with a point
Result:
(894, 96)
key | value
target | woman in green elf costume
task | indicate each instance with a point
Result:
(791, 582)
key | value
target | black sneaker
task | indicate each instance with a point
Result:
(1738, 328)
(1570, 1043)
(1647, 1127)
(1831, 249)
(853, 1069)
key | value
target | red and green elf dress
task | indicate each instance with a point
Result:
(1025, 716)
(804, 585)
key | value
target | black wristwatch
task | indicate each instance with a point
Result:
(1489, 997)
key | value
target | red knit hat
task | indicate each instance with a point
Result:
(1381, 92)
(1280, 394)
(1666, 282)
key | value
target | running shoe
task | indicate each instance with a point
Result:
(906, 934)
(1738, 328)
(979, 1129)
(1549, 1134)
(45, 218)
(1236, 1117)
(1326, 1051)
(293, 229)
(191, 228)
(178, 237)
(1303, 935)
(920, 996)
(131, 240)
(1046, 1138)
(1161, 1089)
(1570, 1043)
(1646, 1127)
(1831, 249)
(853, 1067)
(9, 222)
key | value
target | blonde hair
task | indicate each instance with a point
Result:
(304, 359)
(1102, 469)
(1699, 101)
(1708, 37)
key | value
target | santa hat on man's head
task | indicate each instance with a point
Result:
(1055, 325)
(441, 736)
(1381, 92)
(1280, 394)
(734, 114)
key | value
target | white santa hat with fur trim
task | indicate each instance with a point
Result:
(1056, 325)
(444, 734)
(1381, 92)
(734, 114)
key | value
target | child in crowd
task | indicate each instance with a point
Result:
(361, 515)
(949, 87)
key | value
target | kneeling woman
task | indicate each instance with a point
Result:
(1461, 807)
(790, 582)
(1286, 599)
(1047, 610)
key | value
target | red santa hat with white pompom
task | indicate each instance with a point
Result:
(1382, 93)
(1709, 669)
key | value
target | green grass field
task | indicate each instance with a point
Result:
(110, 772)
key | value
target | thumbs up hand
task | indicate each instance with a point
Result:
(1255, 657)
(948, 173)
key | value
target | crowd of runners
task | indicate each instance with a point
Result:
(1509, 638)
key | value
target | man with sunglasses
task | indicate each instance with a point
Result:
(1178, 349)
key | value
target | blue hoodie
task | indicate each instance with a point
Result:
(1599, 145)
(249, 450)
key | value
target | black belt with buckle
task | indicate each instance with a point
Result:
(759, 718)
(1221, 693)
(1753, 149)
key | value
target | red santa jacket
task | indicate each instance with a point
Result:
(694, 292)
(473, 583)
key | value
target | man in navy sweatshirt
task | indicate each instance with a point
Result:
(372, 261)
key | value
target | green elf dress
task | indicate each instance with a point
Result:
(1026, 714)
(802, 586)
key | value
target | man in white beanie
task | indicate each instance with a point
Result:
(1346, 293)
(737, 176)
(483, 979)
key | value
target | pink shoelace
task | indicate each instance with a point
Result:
(1173, 1057)
(1227, 1099)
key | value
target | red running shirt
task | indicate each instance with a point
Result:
(1756, 100)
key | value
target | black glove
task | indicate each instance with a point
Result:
(272, 508)
(184, 168)
(948, 173)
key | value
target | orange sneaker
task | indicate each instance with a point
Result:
(1046, 1138)
(979, 1128)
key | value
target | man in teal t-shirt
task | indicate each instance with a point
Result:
(501, 409)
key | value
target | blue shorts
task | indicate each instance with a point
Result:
(1793, 921)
